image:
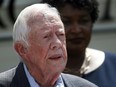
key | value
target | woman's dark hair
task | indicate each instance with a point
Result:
(89, 5)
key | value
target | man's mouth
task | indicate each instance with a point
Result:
(55, 57)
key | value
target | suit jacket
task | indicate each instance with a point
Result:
(16, 77)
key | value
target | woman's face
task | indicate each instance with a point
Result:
(78, 28)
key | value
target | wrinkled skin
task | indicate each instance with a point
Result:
(46, 54)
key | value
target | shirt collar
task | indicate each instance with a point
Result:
(33, 83)
(96, 59)
(59, 82)
(31, 80)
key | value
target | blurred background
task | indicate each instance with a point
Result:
(103, 37)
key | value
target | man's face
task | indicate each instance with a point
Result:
(78, 27)
(47, 46)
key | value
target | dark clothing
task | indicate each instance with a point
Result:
(17, 78)
(105, 75)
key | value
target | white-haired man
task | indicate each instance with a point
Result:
(39, 40)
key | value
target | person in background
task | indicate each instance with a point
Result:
(94, 65)
(39, 40)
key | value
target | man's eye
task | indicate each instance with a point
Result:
(61, 35)
(46, 36)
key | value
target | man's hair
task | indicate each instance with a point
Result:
(22, 28)
(89, 5)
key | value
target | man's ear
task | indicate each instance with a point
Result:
(20, 49)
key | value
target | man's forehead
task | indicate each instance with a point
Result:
(49, 26)
(43, 20)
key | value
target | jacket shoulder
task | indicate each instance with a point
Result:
(6, 77)
(75, 81)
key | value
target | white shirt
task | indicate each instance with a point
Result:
(33, 83)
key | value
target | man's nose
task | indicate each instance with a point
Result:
(56, 43)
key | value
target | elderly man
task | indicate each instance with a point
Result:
(39, 40)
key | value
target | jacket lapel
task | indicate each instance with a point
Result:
(72, 81)
(20, 79)
(66, 80)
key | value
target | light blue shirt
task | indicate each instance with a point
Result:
(33, 83)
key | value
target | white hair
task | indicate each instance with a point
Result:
(21, 28)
